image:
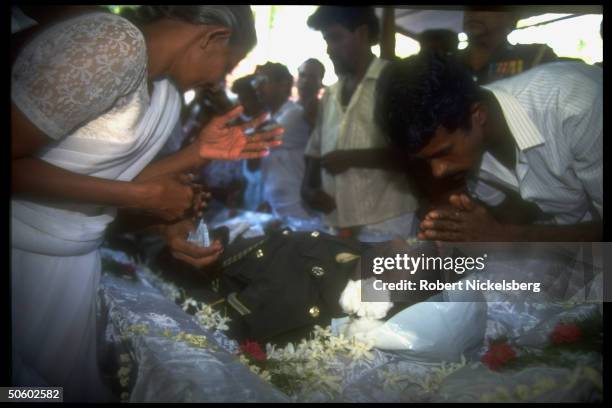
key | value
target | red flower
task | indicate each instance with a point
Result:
(498, 355)
(565, 333)
(253, 349)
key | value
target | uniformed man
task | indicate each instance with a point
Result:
(489, 54)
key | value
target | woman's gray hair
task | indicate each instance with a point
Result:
(237, 18)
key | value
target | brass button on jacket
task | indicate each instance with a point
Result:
(314, 311)
(318, 271)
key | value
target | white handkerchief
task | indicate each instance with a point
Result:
(200, 237)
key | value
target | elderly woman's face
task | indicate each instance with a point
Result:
(206, 63)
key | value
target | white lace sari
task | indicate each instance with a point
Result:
(84, 83)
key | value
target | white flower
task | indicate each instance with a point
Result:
(124, 371)
(337, 343)
(265, 375)
(189, 302)
(320, 332)
(351, 297)
(327, 381)
(124, 358)
(360, 350)
(289, 349)
(350, 301)
(222, 323)
(374, 310)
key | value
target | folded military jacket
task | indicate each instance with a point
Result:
(286, 281)
(276, 288)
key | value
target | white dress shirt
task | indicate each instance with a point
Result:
(363, 196)
(554, 112)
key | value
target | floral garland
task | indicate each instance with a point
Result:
(206, 316)
(124, 374)
(429, 383)
(314, 365)
(310, 366)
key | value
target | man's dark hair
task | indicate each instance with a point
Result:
(275, 71)
(316, 62)
(416, 95)
(348, 17)
(447, 40)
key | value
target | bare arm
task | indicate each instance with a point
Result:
(35, 178)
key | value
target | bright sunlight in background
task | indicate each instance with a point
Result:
(576, 37)
(284, 37)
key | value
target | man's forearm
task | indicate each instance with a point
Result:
(181, 161)
(592, 231)
(35, 178)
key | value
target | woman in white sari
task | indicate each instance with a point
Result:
(91, 106)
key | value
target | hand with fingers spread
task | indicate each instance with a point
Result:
(169, 196)
(176, 235)
(220, 141)
(464, 220)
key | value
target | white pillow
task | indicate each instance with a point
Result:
(432, 330)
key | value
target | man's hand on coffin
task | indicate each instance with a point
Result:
(218, 140)
(169, 196)
(337, 162)
(176, 235)
(463, 220)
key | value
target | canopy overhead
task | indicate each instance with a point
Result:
(413, 20)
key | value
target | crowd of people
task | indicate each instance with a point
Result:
(496, 142)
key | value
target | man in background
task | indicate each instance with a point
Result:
(489, 55)
(439, 40)
(351, 173)
(309, 84)
(282, 171)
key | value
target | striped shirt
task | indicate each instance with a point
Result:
(554, 113)
(363, 196)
